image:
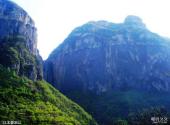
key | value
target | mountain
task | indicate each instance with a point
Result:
(18, 40)
(112, 70)
(117, 55)
(25, 97)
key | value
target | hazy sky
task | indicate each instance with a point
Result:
(55, 19)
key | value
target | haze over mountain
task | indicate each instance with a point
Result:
(112, 69)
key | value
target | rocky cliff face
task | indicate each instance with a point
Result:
(113, 70)
(19, 38)
(103, 56)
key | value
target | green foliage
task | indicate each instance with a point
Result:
(121, 122)
(16, 55)
(37, 102)
(9, 56)
(108, 108)
(144, 117)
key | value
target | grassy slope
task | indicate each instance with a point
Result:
(37, 102)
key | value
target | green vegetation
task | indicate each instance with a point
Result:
(15, 54)
(126, 107)
(146, 116)
(37, 102)
(121, 122)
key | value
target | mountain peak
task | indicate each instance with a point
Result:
(134, 20)
(10, 10)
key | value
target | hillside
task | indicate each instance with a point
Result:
(37, 102)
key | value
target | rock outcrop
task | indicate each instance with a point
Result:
(103, 56)
(18, 37)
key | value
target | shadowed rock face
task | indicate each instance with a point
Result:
(18, 37)
(103, 56)
(15, 21)
(112, 70)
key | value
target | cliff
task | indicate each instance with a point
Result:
(18, 40)
(114, 71)
(103, 56)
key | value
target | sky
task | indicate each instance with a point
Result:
(55, 19)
